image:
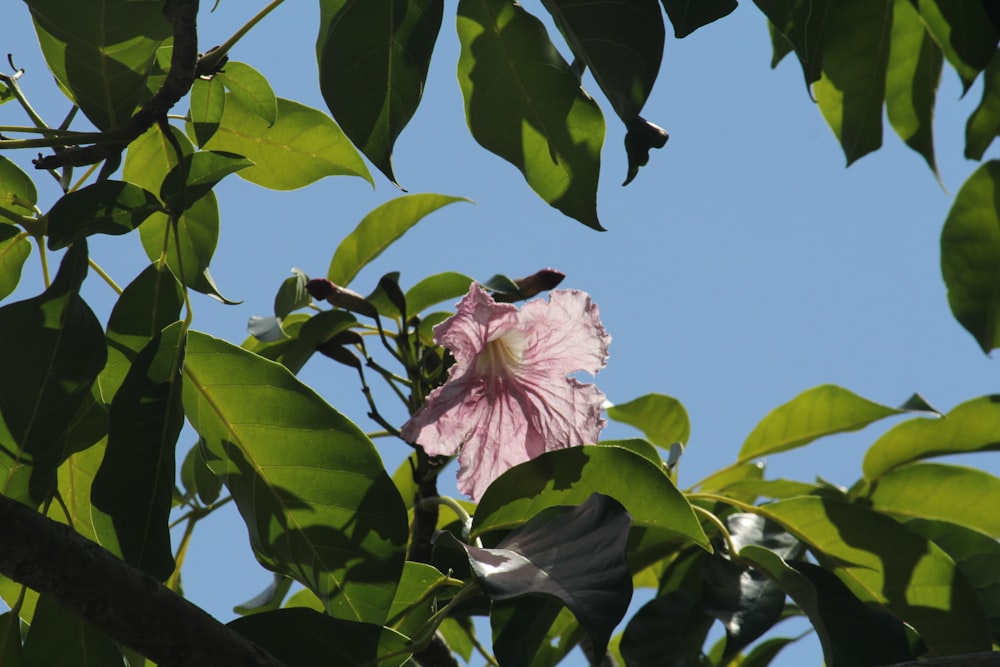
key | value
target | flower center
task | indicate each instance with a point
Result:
(503, 355)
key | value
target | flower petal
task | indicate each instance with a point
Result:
(477, 320)
(566, 334)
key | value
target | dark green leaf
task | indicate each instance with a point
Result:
(780, 45)
(851, 633)
(292, 295)
(520, 627)
(668, 631)
(17, 190)
(373, 59)
(318, 504)
(58, 638)
(250, 89)
(977, 557)
(964, 33)
(134, 486)
(884, 563)
(804, 24)
(51, 350)
(984, 123)
(546, 125)
(101, 52)
(814, 413)
(970, 255)
(912, 78)
(319, 329)
(973, 426)
(208, 101)
(764, 653)
(10, 640)
(435, 289)
(268, 599)
(542, 557)
(689, 15)
(301, 637)
(964, 496)
(852, 86)
(662, 418)
(378, 230)
(148, 304)
(14, 250)
(107, 207)
(302, 145)
(191, 180)
(569, 476)
(197, 478)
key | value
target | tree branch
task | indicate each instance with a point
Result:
(125, 603)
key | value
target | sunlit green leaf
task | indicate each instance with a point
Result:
(912, 78)
(14, 250)
(208, 100)
(973, 426)
(59, 638)
(301, 637)
(75, 478)
(250, 89)
(51, 350)
(814, 413)
(569, 476)
(970, 255)
(134, 485)
(421, 589)
(436, 289)
(525, 104)
(318, 504)
(689, 15)
(17, 190)
(186, 183)
(961, 495)
(302, 145)
(984, 123)
(101, 52)
(883, 562)
(662, 418)
(852, 86)
(378, 230)
(804, 24)
(964, 33)
(107, 207)
(373, 59)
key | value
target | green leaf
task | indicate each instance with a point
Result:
(292, 295)
(814, 413)
(302, 145)
(75, 478)
(964, 496)
(851, 633)
(853, 82)
(378, 230)
(268, 599)
(436, 289)
(318, 504)
(17, 190)
(977, 557)
(107, 207)
(301, 637)
(662, 418)
(970, 255)
(546, 125)
(964, 32)
(58, 638)
(101, 52)
(984, 123)
(568, 477)
(973, 426)
(689, 15)
(186, 183)
(208, 100)
(51, 350)
(880, 561)
(14, 250)
(373, 59)
(912, 78)
(319, 329)
(643, 448)
(520, 627)
(418, 595)
(250, 89)
(10, 640)
(197, 478)
(764, 653)
(134, 486)
(148, 304)
(803, 23)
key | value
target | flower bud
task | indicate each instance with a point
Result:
(340, 297)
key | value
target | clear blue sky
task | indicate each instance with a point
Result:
(744, 265)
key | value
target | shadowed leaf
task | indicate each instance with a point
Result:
(689, 15)
(107, 207)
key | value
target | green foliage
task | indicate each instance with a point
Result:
(662, 418)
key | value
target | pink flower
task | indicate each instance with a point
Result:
(508, 398)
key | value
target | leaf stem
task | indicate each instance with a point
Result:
(101, 272)
(721, 527)
(214, 59)
(45, 261)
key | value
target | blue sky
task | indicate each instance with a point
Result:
(744, 264)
